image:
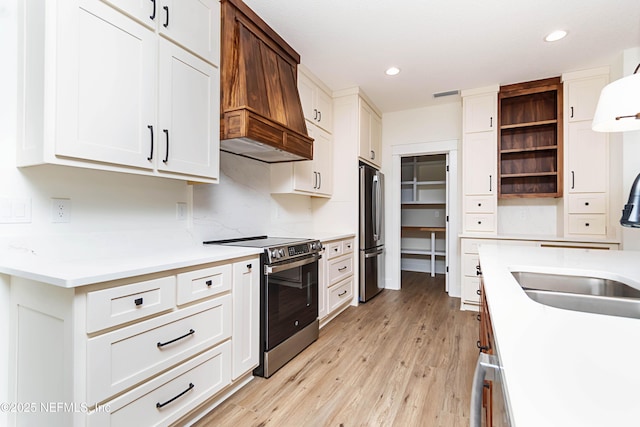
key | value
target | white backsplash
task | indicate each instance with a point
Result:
(242, 205)
(536, 216)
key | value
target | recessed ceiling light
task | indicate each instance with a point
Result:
(555, 36)
(392, 71)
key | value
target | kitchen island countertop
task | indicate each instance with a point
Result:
(562, 367)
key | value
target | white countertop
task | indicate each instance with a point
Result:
(561, 367)
(81, 259)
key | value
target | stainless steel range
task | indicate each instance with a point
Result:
(288, 297)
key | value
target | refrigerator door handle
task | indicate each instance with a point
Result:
(374, 198)
(374, 254)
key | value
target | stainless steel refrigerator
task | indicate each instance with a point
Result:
(371, 232)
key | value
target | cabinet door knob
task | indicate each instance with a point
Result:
(208, 283)
(479, 204)
(249, 266)
(138, 301)
(586, 203)
(586, 224)
(479, 222)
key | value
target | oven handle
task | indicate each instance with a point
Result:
(486, 369)
(277, 268)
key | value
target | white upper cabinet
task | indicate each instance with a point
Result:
(370, 134)
(583, 95)
(479, 162)
(107, 96)
(188, 113)
(193, 24)
(310, 177)
(104, 86)
(480, 113)
(317, 104)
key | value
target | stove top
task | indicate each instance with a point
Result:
(275, 248)
(258, 241)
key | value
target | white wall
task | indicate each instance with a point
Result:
(434, 129)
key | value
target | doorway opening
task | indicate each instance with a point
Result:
(422, 211)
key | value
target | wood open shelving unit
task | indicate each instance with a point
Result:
(530, 139)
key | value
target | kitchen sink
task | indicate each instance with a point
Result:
(580, 293)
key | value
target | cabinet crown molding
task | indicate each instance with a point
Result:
(581, 74)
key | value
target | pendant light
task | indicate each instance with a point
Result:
(618, 110)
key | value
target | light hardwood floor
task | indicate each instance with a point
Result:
(405, 358)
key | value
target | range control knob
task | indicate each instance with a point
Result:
(314, 245)
(275, 254)
(281, 253)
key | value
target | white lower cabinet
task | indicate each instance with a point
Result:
(137, 352)
(336, 285)
(470, 264)
(166, 398)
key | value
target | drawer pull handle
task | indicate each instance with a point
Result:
(586, 203)
(482, 347)
(479, 222)
(149, 126)
(208, 283)
(162, 344)
(586, 224)
(479, 204)
(160, 405)
(335, 249)
(342, 268)
(166, 22)
(478, 270)
(342, 293)
(249, 266)
(138, 301)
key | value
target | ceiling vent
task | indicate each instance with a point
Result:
(448, 93)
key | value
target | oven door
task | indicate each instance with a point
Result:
(291, 298)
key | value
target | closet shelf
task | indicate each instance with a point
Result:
(424, 252)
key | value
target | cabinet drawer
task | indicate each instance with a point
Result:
(340, 293)
(470, 288)
(333, 249)
(199, 284)
(479, 222)
(588, 224)
(347, 246)
(587, 203)
(480, 204)
(340, 268)
(470, 246)
(470, 264)
(122, 358)
(114, 306)
(190, 384)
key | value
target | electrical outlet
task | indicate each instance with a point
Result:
(181, 211)
(60, 210)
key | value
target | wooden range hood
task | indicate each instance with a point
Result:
(260, 111)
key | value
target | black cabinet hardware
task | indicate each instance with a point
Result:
(166, 156)
(138, 301)
(151, 131)
(162, 344)
(160, 405)
(482, 347)
(208, 283)
(166, 22)
(153, 15)
(342, 293)
(571, 112)
(249, 266)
